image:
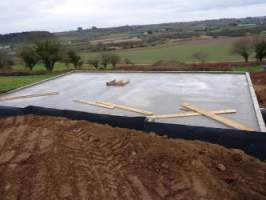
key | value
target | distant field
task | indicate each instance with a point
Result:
(218, 51)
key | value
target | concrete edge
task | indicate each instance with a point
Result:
(188, 72)
(251, 89)
(255, 103)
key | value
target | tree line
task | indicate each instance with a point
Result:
(247, 47)
(49, 52)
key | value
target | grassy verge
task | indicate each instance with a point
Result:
(248, 69)
(13, 82)
(57, 68)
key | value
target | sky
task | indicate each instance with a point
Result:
(63, 15)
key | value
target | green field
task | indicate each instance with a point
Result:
(219, 52)
(248, 69)
(40, 67)
(13, 82)
(57, 68)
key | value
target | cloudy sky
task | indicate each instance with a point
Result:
(61, 15)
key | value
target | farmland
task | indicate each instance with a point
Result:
(217, 51)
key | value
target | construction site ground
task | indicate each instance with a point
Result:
(259, 81)
(57, 158)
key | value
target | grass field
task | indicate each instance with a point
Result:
(248, 69)
(219, 51)
(57, 68)
(13, 82)
(40, 67)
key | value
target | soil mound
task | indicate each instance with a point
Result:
(57, 158)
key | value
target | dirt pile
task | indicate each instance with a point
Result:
(56, 158)
(259, 81)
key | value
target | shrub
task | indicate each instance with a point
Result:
(200, 56)
(5, 60)
(94, 62)
(128, 61)
(105, 59)
(75, 59)
(114, 59)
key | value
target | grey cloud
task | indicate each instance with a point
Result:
(59, 15)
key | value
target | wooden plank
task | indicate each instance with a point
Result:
(217, 118)
(29, 96)
(122, 83)
(104, 103)
(190, 114)
(127, 108)
(93, 103)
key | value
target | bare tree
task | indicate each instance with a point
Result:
(243, 47)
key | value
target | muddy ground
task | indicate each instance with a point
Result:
(259, 81)
(57, 158)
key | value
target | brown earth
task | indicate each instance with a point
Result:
(173, 65)
(57, 158)
(259, 81)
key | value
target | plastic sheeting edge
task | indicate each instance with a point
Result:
(253, 143)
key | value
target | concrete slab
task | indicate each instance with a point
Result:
(161, 93)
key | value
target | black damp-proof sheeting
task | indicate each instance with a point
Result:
(253, 143)
(116, 121)
(263, 112)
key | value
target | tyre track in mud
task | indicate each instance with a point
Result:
(55, 158)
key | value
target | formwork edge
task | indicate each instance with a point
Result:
(255, 103)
